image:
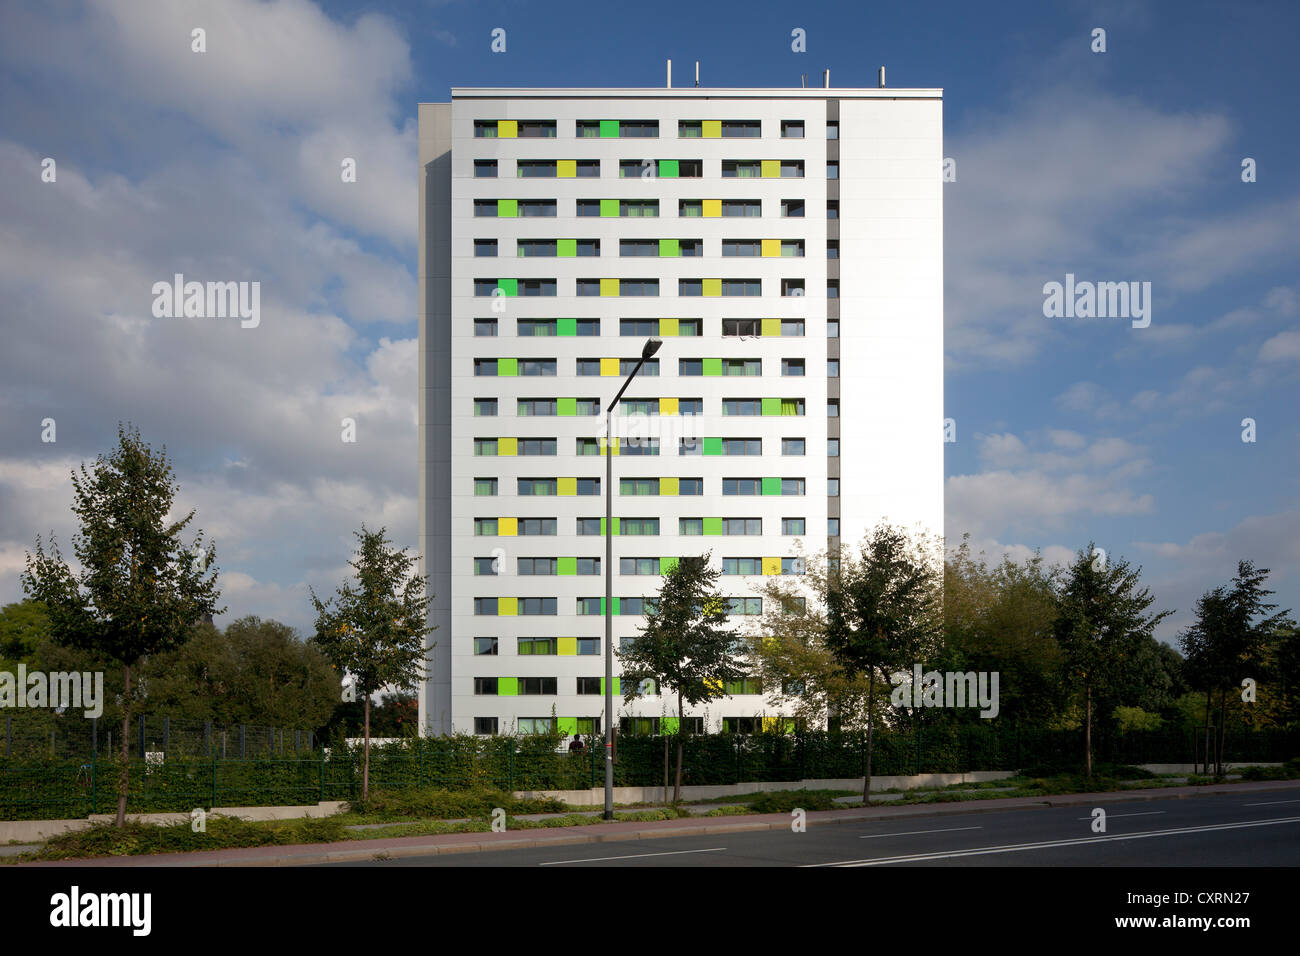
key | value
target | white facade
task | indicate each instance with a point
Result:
(889, 349)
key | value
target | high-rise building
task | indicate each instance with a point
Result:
(787, 248)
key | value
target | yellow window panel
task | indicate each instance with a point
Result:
(612, 444)
(770, 724)
(609, 366)
(507, 446)
(567, 646)
(771, 565)
(507, 527)
(771, 248)
(712, 208)
(712, 129)
(771, 326)
(771, 169)
(667, 406)
(668, 486)
(568, 486)
(609, 287)
(507, 607)
(566, 168)
(508, 129)
(712, 287)
(667, 327)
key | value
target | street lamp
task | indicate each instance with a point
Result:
(650, 348)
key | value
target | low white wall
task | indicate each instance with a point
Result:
(36, 831)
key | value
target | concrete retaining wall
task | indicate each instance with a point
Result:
(34, 831)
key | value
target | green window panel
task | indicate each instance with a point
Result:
(507, 686)
(771, 486)
(566, 327)
(712, 446)
(511, 287)
(507, 208)
(567, 407)
(609, 207)
(567, 725)
(670, 247)
(667, 564)
(602, 532)
(615, 614)
(609, 128)
(617, 690)
(771, 406)
(566, 565)
(713, 366)
(713, 526)
(567, 248)
(507, 367)
(667, 169)
(668, 725)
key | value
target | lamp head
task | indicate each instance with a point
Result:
(651, 347)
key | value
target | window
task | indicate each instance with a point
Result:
(742, 169)
(537, 685)
(639, 406)
(536, 129)
(638, 486)
(833, 329)
(793, 526)
(533, 725)
(485, 487)
(540, 367)
(793, 486)
(649, 367)
(485, 646)
(638, 566)
(742, 406)
(742, 207)
(485, 367)
(485, 407)
(832, 248)
(690, 406)
(588, 207)
(742, 446)
(690, 487)
(587, 328)
(535, 169)
(792, 129)
(589, 526)
(538, 486)
(690, 129)
(832, 487)
(742, 247)
(690, 247)
(589, 606)
(485, 129)
(638, 129)
(638, 247)
(485, 726)
(536, 446)
(535, 406)
(833, 209)
(588, 366)
(589, 567)
(536, 247)
(485, 248)
(833, 289)
(792, 328)
(832, 170)
(691, 526)
(589, 685)
(742, 526)
(485, 208)
(644, 208)
(742, 327)
(532, 606)
(486, 686)
(588, 646)
(792, 169)
(792, 287)
(742, 129)
(485, 527)
(742, 486)
(537, 646)
(833, 408)
(690, 366)
(638, 327)
(690, 287)
(485, 447)
(792, 208)
(792, 367)
(485, 567)
(832, 526)
(485, 607)
(691, 446)
(832, 448)
(537, 207)
(637, 168)
(832, 368)
(588, 168)
(587, 486)
(742, 366)
(537, 327)
(742, 565)
(534, 527)
(639, 526)
(485, 169)
(485, 328)
(691, 208)
(793, 446)
(792, 248)
(636, 605)
(832, 129)
(588, 446)
(747, 605)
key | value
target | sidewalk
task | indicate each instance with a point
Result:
(361, 850)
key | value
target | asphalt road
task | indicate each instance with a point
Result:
(1260, 829)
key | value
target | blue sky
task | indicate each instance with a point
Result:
(1115, 166)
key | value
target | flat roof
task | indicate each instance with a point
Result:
(688, 92)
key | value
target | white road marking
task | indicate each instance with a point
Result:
(1112, 816)
(877, 836)
(632, 856)
(1048, 844)
(1269, 803)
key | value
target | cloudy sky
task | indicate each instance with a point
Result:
(1117, 166)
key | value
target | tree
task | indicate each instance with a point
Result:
(1101, 624)
(376, 630)
(686, 645)
(140, 591)
(884, 612)
(23, 625)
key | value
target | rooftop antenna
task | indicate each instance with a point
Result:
(803, 80)
(670, 74)
(697, 72)
(882, 78)
(826, 79)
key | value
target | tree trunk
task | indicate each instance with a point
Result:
(677, 782)
(1209, 709)
(1087, 732)
(866, 779)
(1223, 728)
(365, 771)
(124, 775)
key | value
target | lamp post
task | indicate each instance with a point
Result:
(650, 348)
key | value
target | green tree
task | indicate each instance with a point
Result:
(140, 590)
(686, 645)
(1101, 624)
(376, 630)
(23, 626)
(884, 612)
